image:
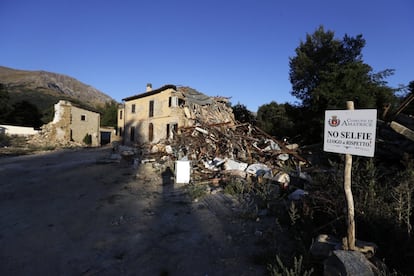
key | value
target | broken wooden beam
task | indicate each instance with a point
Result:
(405, 131)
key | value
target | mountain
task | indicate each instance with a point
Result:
(44, 89)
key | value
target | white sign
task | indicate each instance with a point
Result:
(350, 131)
(182, 172)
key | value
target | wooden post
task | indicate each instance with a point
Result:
(348, 194)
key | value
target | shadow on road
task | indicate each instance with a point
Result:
(111, 219)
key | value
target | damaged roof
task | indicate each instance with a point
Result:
(150, 93)
(191, 95)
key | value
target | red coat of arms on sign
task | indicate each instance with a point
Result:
(334, 121)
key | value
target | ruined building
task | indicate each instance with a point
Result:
(70, 125)
(159, 114)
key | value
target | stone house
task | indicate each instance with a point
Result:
(159, 114)
(72, 124)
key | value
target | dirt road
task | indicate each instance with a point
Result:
(62, 213)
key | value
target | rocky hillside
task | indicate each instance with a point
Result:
(45, 88)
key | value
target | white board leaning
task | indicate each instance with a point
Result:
(350, 131)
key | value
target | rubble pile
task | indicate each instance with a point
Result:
(218, 146)
(48, 137)
(202, 109)
(219, 150)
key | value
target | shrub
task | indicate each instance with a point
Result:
(4, 140)
(280, 269)
(196, 191)
(383, 194)
(235, 186)
(87, 139)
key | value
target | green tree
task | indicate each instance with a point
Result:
(411, 86)
(406, 101)
(274, 119)
(326, 72)
(24, 113)
(242, 114)
(4, 103)
(410, 108)
(109, 114)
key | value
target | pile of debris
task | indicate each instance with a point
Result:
(202, 109)
(219, 150)
(49, 137)
(218, 146)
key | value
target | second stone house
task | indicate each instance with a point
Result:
(159, 114)
(72, 123)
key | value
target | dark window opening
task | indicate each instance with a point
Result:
(150, 132)
(151, 108)
(168, 131)
(120, 131)
(132, 134)
(83, 117)
(133, 108)
(120, 114)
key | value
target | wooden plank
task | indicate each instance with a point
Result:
(405, 131)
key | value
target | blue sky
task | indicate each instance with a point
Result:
(233, 48)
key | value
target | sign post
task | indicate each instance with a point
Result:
(350, 132)
(348, 194)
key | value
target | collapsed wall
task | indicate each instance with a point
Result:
(57, 132)
(200, 109)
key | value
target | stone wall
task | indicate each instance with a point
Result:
(69, 127)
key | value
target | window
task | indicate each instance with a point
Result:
(151, 109)
(120, 131)
(83, 117)
(171, 130)
(120, 114)
(133, 108)
(172, 101)
(150, 132)
(132, 134)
